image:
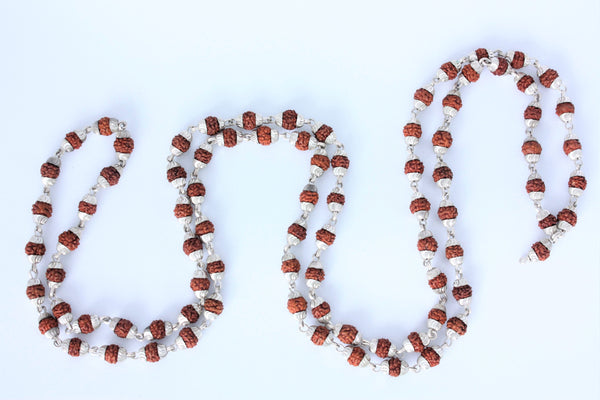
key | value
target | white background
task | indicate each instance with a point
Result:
(534, 329)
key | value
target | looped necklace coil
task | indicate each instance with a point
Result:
(437, 333)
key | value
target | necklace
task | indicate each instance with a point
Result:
(328, 154)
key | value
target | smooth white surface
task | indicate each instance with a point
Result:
(534, 331)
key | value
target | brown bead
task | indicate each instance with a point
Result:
(340, 162)
(61, 309)
(453, 101)
(157, 329)
(180, 143)
(196, 189)
(427, 244)
(46, 324)
(568, 216)
(214, 306)
(229, 137)
(447, 212)
(414, 167)
(416, 341)
(308, 196)
(320, 161)
(442, 139)
(383, 348)
(334, 197)
(535, 185)
(176, 173)
(565, 107)
(49, 170)
(394, 366)
(541, 251)
(319, 335)
(323, 133)
(532, 112)
(85, 324)
(438, 282)
(424, 96)
(454, 251)
(151, 352)
(524, 82)
(249, 120)
(547, 222)
(578, 181)
(35, 291)
(87, 208)
(462, 292)
(191, 245)
(531, 147)
(122, 328)
(104, 126)
(502, 66)
(419, 204)
(289, 119)
(347, 334)
(215, 267)
(205, 227)
(470, 74)
(437, 315)
(356, 356)
(35, 249)
(321, 310)
(263, 134)
(303, 141)
(291, 265)
(296, 305)
(298, 231)
(111, 354)
(111, 175)
(457, 325)
(412, 129)
(326, 236)
(42, 208)
(69, 239)
(571, 145)
(74, 347)
(442, 173)
(431, 356)
(212, 125)
(183, 210)
(74, 140)
(123, 145)
(199, 284)
(190, 313)
(548, 77)
(316, 274)
(481, 53)
(518, 60)
(55, 274)
(189, 338)
(450, 70)
(202, 155)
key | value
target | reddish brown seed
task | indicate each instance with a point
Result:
(566, 107)
(424, 96)
(535, 185)
(303, 140)
(176, 173)
(394, 366)
(104, 126)
(46, 324)
(202, 155)
(74, 347)
(229, 137)
(502, 66)
(416, 341)
(547, 222)
(316, 274)
(414, 167)
(196, 189)
(571, 145)
(450, 70)
(347, 334)
(541, 251)
(524, 82)
(151, 352)
(383, 348)
(189, 338)
(356, 356)
(298, 231)
(35, 249)
(442, 173)
(481, 53)
(518, 60)
(438, 282)
(339, 161)
(263, 134)
(321, 310)
(55, 274)
(214, 306)
(531, 147)
(291, 265)
(111, 175)
(215, 267)
(462, 292)
(111, 354)
(419, 204)
(49, 170)
(199, 284)
(212, 125)
(296, 305)
(157, 329)
(123, 145)
(87, 208)
(326, 236)
(454, 251)
(35, 291)
(320, 161)
(470, 74)
(447, 212)
(308, 196)
(289, 119)
(190, 313)
(532, 112)
(85, 324)
(431, 356)
(183, 210)
(427, 244)
(437, 315)
(61, 309)
(442, 139)
(122, 328)
(191, 245)
(42, 208)
(69, 239)
(323, 132)
(205, 227)
(412, 129)
(319, 335)
(568, 216)
(249, 120)
(180, 143)
(457, 325)
(548, 77)
(453, 101)
(334, 197)
(74, 140)
(578, 181)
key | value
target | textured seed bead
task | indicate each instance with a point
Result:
(457, 326)
(340, 163)
(55, 274)
(86, 324)
(296, 232)
(437, 280)
(336, 199)
(532, 115)
(423, 97)
(213, 306)
(35, 249)
(567, 219)
(50, 171)
(394, 367)
(348, 334)
(462, 292)
(203, 155)
(87, 207)
(452, 103)
(319, 163)
(454, 252)
(436, 317)
(61, 311)
(325, 237)
(200, 284)
(176, 175)
(321, 310)
(565, 111)
(535, 187)
(188, 337)
(68, 240)
(577, 184)
(196, 191)
(547, 222)
(192, 247)
(205, 229)
(113, 353)
(429, 358)
(415, 342)
(48, 325)
(442, 140)
(309, 197)
(427, 245)
(319, 335)
(35, 290)
(412, 133)
(181, 143)
(413, 169)
(324, 133)
(357, 356)
(42, 209)
(315, 274)
(123, 328)
(531, 149)
(190, 314)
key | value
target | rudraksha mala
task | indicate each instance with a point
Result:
(328, 154)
